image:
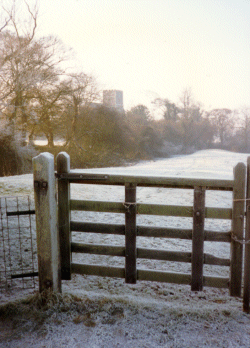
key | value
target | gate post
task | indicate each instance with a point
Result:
(63, 166)
(46, 223)
(246, 293)
(237, 229)
(198, 239)
(130, 234)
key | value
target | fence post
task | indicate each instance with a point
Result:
(46, 223)
(130, 234)
(198, 239)
(237, 230)
(63, 166)
(246, 292)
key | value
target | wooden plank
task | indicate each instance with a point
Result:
(165, 255)
(46, 223)
(154, 181)
(162, 232)
(130, 234)
(78, 226)
(143, 253)
(147, 275)
(165, 277)
(218, 213)
(180, 278)
(214, 236)
(216, 282)
(98, 270)
(167, 210)
(198, 239)
(149, 209)
(246, 289)
(177, 256)
(145, 231)
(215, 261)
(63, 166)
(99, 206)
(182, 211)
(237, 230)
(98, 249)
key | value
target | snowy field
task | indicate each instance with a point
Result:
(106, 312)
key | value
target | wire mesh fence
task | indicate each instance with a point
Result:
(18, 250)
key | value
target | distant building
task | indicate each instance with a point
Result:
(113, 98)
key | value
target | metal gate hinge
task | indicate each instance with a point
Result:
(79, 176)
(41, 184)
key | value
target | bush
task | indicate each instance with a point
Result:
(15, 157)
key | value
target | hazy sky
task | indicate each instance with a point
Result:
(156, 48)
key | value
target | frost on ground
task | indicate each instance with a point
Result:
(145, 315)
(106, 312)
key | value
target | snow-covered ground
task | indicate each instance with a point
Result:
(106, 312)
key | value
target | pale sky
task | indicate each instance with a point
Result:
(156, 48)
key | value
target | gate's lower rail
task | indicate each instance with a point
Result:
(148, 275)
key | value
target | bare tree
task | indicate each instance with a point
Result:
(223, 121)
(23, 29)
(242, 136)
(26, 78)
(15, 38)
(168, 109)
(31, 77)
(82, 92)
(4, 21)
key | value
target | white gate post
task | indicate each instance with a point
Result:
(46, 223)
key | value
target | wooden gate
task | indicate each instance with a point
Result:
(130, 207)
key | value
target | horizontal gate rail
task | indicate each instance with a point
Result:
(183, 211)
(176, 233)
(79, 226)
(144, 253)
(98, 270)
(188, 183)
(97, 249)
(148, 275)
(145, 231)
(149, 209)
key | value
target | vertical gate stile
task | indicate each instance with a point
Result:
(130, 233)
(198, 239)
(63, 166)
(237, 230)
(246, 294)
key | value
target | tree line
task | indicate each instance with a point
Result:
(40, 96)
(192, 128)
